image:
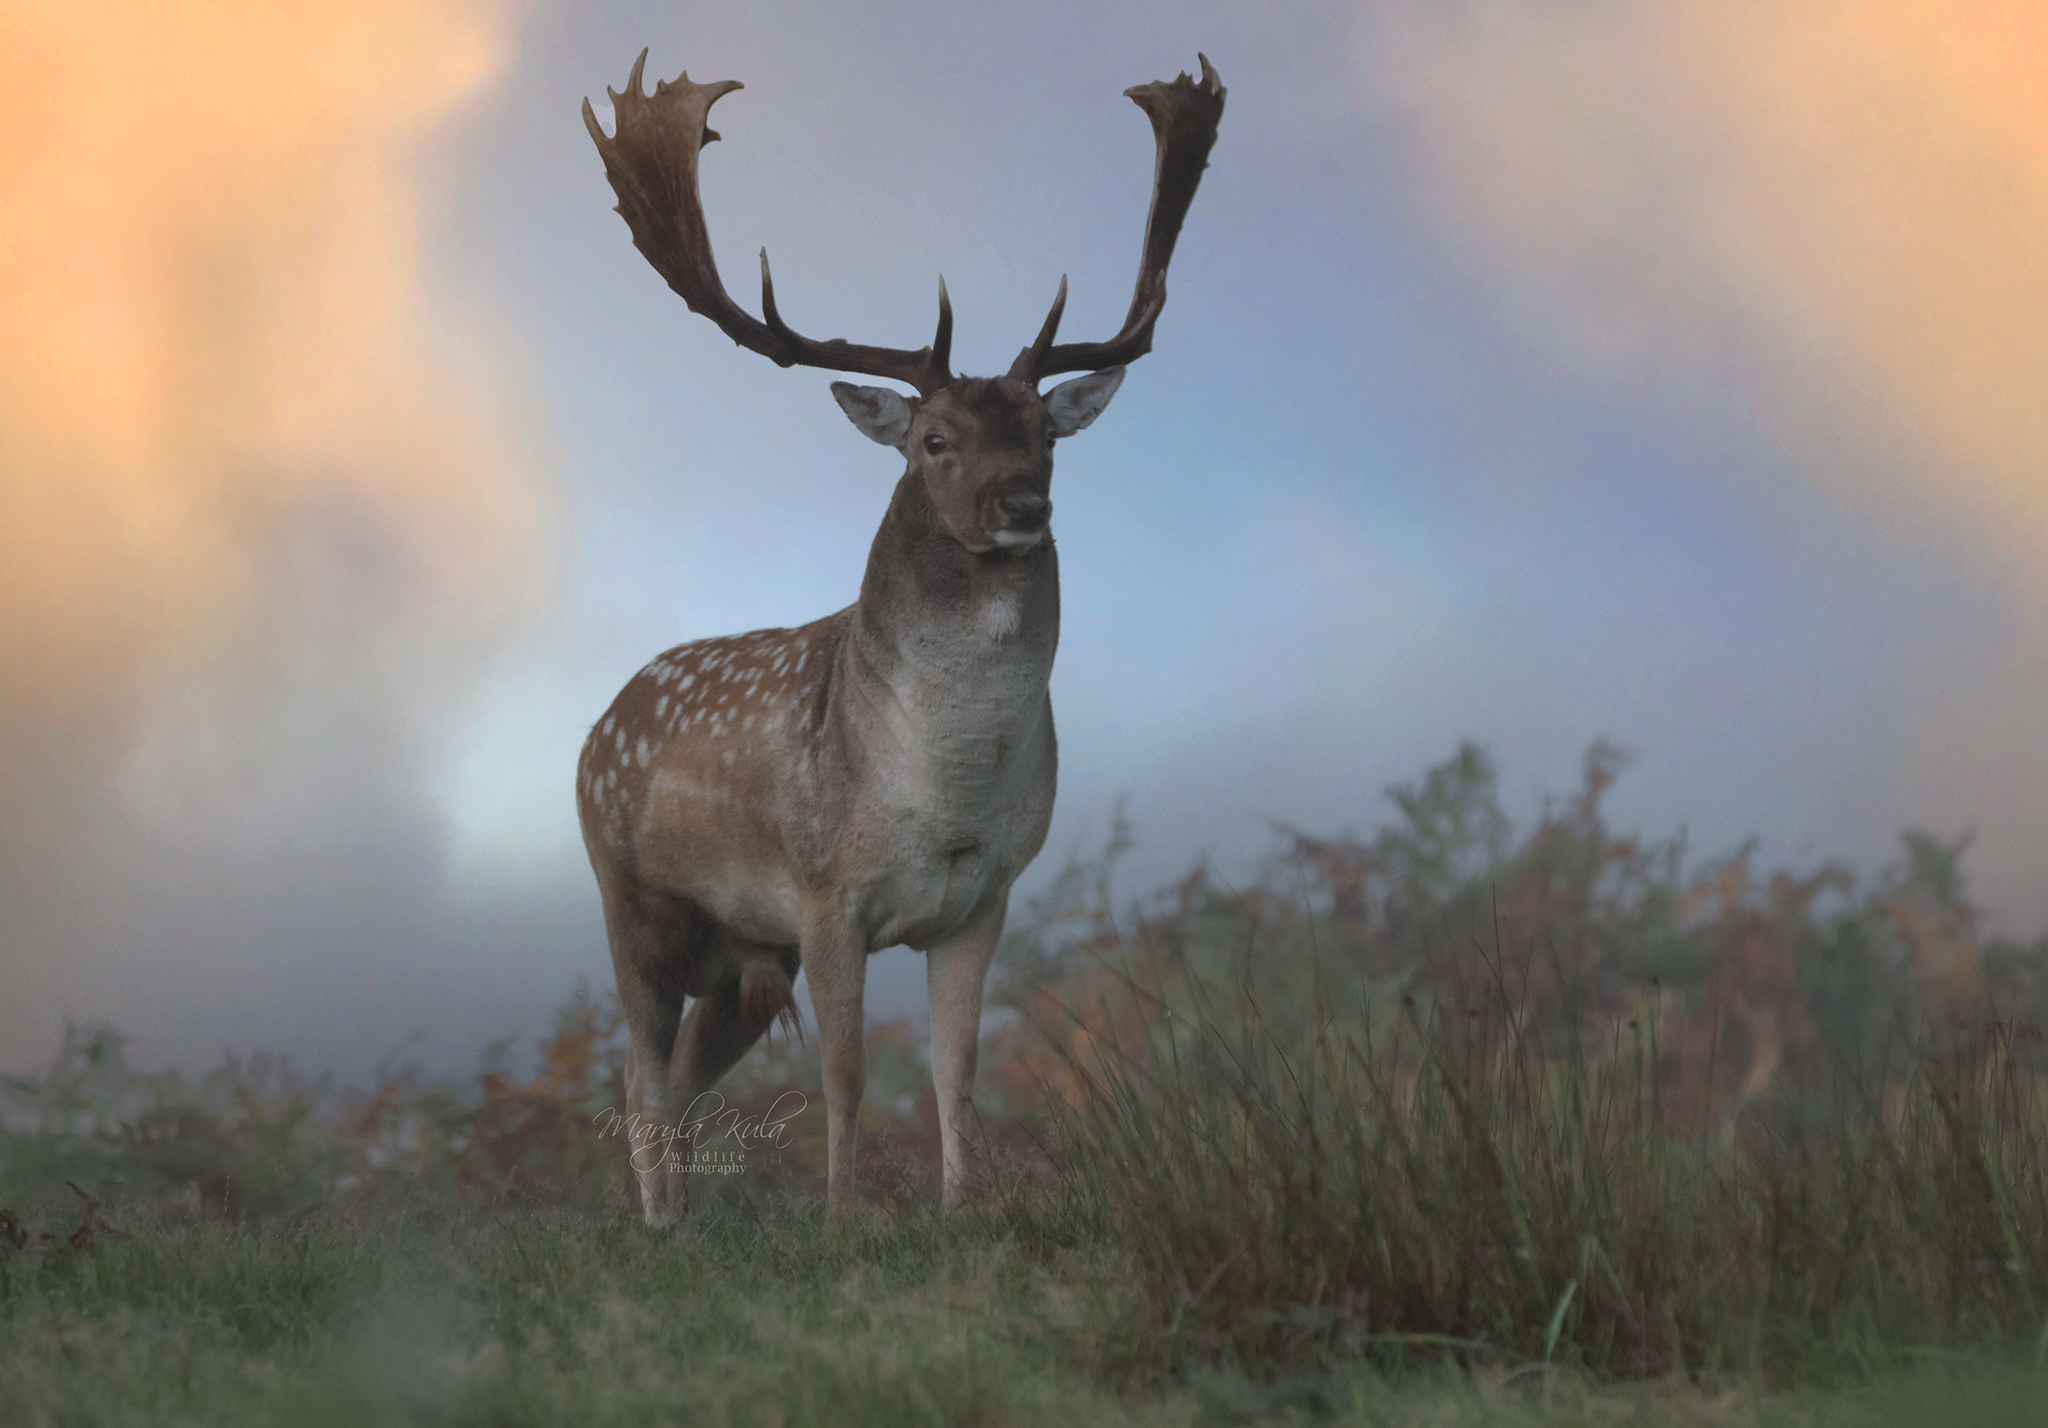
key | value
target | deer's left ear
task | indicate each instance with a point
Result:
(882, 415)
(1072, 405)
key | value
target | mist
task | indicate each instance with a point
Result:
(1819, 222)
(1531, 373)
(265, 509)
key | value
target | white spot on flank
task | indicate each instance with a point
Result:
(661, 706)
(620, 742)
(640, 752)
(688, 680)
(607, 723)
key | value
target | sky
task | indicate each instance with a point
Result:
(1665, 370)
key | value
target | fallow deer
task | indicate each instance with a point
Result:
(796, 799)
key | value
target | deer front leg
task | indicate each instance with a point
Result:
(955, 973)
(835, 960)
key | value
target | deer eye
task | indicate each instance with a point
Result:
(935, 443)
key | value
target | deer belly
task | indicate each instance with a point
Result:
(758, 904)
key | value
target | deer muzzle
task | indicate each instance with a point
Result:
(1023, 511)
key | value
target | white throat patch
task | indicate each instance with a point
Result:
(1003, 615)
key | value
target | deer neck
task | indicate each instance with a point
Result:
(955, 649)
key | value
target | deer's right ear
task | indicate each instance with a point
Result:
(882, 415)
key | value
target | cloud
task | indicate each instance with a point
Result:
(262, 513)
(1824, 220)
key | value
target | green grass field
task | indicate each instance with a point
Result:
(1441, 1127)
(776, 1317)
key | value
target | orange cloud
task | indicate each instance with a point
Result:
(1847, 199)
(260, 511)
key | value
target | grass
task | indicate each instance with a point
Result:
(1471, 1186)
(1436, 1128)
(541, 1317)
(745, 1317)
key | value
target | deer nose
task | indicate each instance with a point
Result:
(1024, 510)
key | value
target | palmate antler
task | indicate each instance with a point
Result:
(1184, 114)
(651, 160)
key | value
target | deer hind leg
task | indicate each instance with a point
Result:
(649, 966)
(955, 973)
(722, 1027)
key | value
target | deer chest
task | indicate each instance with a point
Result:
(952, 824)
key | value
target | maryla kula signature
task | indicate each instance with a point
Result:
(708, 1123)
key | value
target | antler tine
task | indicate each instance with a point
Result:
(1184, 114)
(941, 349)
(651, 160)
(1026, 367)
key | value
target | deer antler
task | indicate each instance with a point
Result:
(1184, 115)
(651, 161)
